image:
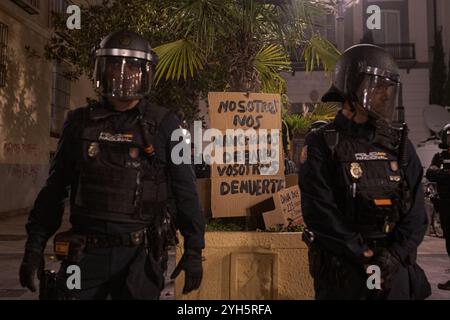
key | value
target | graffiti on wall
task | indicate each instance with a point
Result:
(20, 148)
(24, 171)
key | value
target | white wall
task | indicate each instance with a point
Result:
(25, 103)
(418, 28)
(302, 84)
(443, 13)
(415, 98)
(358, 22)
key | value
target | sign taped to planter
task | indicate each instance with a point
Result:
(287, 207)
(250, 147)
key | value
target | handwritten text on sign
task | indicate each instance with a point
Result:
(248, 123)
(287, 208)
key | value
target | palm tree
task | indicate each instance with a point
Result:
(203, 45)
(251, 40)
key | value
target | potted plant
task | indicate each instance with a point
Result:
(299, 125)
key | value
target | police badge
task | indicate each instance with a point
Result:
(355, 170)
(134, 152)
(93, 149)
(394, 165)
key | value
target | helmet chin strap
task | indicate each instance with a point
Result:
(351, 124)
(351, 101)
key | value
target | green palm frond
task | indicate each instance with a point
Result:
(269, 62)
(325, 111)
(178, 58)
(320, 51)
(203, 21)
(298, 124)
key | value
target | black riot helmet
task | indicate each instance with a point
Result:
(124, 65)
(316, 125)
(445, 137)
(369, 76)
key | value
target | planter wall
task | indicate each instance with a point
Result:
(252, 265)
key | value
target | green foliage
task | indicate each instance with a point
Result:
(320, 51)
(255, 40)
(300, 123)
(222, 225)
(203, 45)
(174, 60)
(291, 227)
(269, 61)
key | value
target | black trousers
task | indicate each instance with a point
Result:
(121, 273)
(444, 215)
(336, 278)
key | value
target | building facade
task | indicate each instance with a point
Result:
(35, 96)
(407, 31)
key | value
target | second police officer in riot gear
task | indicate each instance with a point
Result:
(439, 172)
(360, 178)
(114, 156)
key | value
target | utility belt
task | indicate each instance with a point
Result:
(131, 239)
(70, 246)
(332, 267)
(375, 242)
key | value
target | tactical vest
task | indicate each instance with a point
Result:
(370, 186)
(122, 174)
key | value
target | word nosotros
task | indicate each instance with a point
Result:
(244, 106)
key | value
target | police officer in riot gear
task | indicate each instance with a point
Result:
(114, 156)
(439, 172)
(360, 178)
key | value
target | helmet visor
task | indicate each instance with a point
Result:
(123, 77)
(378, 95)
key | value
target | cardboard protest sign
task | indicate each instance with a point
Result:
(287, 207)
(250, 150)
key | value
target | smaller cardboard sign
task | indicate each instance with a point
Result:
(287, 206)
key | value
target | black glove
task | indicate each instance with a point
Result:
(389, 265)
(191, 263)
(32, 264)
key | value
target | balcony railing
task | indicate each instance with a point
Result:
(30, 6)
(400, 51)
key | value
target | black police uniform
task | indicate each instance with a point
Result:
(116, 192)
(442, 177)
(349, 188)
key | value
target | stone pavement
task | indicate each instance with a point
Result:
(432, 258)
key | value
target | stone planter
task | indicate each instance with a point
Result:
(252, 265)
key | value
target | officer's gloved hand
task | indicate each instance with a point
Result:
(191, 263)
(32, 265)
(389, 265)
